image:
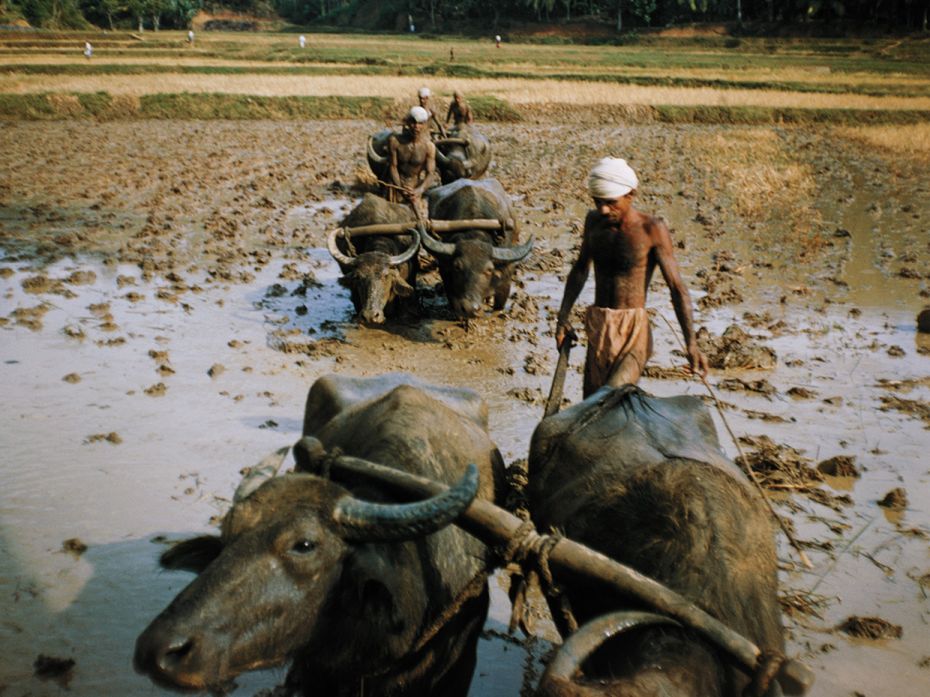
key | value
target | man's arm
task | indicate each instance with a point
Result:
(681, 298)
(449, 113)
(577, 277)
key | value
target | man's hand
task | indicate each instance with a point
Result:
(563, 331)
(697, 360)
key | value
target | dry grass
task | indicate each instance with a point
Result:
(758, 176)
(515, 91)
(764, 183)
(913, 140)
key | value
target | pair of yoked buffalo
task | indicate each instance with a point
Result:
(366, 592)
(475, 264)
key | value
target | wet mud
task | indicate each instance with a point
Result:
(167, 300)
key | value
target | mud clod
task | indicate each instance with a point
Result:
(896, 500)
(839, 466)
(871, 628)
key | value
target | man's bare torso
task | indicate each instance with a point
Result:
(624, 258)
(412, 156)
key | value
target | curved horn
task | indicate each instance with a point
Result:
(435, 246)
(442, 158)
(405, 256)
(343, 259)
(511, 255)
(592, 635)
(372, 155)
(452, 141)
(259, 474)
(364, 521)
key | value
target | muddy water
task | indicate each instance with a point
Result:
(196, 383)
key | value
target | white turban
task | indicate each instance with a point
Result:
(424, 92)
(418, 114)
(612, 178)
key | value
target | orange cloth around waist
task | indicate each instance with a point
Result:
(612, 336)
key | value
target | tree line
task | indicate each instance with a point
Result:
(459, 15)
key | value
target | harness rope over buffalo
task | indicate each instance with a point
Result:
(518, 541)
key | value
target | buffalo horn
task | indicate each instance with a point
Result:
(372, 155)
(441, 158)
(453, 141)
(588, 638)
(343, 259)
(511, 255)
(261, 473)
(436, 247)
(364, 521)
(405, 256)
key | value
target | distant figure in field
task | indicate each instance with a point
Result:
(451, 54)
(497, 40)
(88, 50)
(190, 36)
(459, 111)
(410, 23)
(423, 97)
(302, 41)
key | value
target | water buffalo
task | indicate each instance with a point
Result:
(464, 155)
(643, 480)
(475, 264)
(363, 598)
(376, 152)
(381, 273)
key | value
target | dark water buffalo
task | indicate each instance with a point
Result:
(464, 155)
(382, 599)
(642, 479)
(381, 274)
(376, 152)
(475, 264)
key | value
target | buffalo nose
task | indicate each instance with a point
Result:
(175, 655)
(373, 317)
(164, 656)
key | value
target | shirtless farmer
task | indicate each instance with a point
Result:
(413, 158)
(423, 97)
(459, 111)
(625, 247)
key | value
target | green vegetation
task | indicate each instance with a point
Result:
(479, 16)
(103, 106)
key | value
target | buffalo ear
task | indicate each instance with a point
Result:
(402, 289)
(194, 554)
(345, 282)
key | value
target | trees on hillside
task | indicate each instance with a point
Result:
(448, 15)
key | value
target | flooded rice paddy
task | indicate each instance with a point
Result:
(166, 301)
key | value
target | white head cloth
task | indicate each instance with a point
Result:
(424, 92)
(419, 114)
(612, 178)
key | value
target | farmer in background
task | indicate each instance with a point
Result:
(423, 97)
(625, 247)
(413, 159)
(459, 111)
(302, 41)
(88, 50)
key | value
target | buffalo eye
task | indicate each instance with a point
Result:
(303, 546)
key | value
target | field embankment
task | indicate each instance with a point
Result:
(268, 76)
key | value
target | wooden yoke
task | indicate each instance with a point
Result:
(434, 226)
